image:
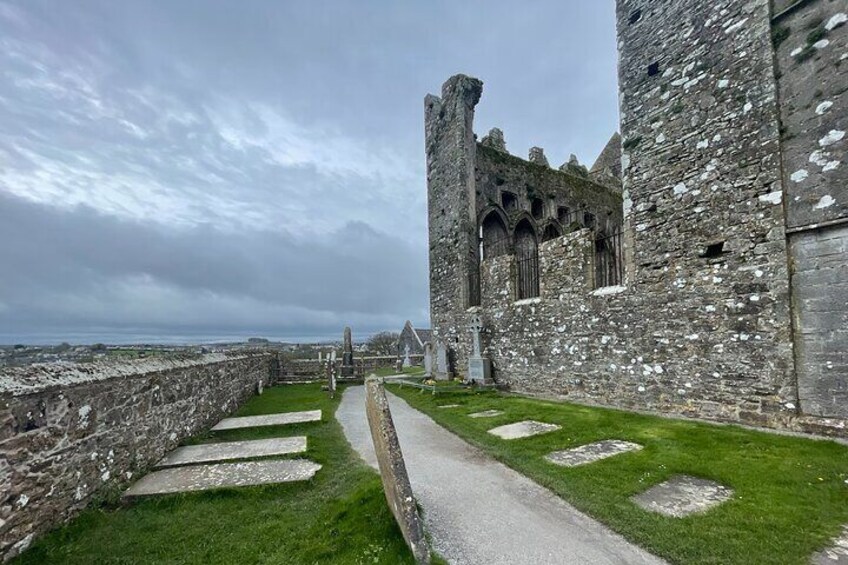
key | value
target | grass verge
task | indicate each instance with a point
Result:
(791, 494)
(340, 516)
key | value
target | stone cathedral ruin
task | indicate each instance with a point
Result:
(700, 267)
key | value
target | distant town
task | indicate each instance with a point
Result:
(21, 355)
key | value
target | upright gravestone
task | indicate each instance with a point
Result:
(407, 362)
(443, 372)
(347, 354)
(331, 379)
(428, 360)
(393, 470)
(479, 367)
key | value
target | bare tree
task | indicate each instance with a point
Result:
(384, 343)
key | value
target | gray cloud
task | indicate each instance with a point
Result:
(198, 169)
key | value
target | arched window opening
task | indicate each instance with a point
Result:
(537, 208)
(609, 260)
(551, 232)
(527, 260)
(564, 215)
(494, 237)
(509, 201)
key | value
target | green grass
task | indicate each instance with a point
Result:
(340, 516)
(390, 371)
(791, 495)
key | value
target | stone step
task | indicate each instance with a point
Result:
(527, 428)
(268, 420)
(591, 452)
(224, 451)
(219, 475)
(683, 495)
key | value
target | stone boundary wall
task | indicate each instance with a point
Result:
(300, 370)
(71, 435)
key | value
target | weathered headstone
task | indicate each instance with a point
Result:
(393, 470)
(399, 365)
(428, 360)
(407, 362)
(347, 354)
(443, 372)
(479, 367)
(331, 379)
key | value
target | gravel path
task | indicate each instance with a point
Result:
(479, 511)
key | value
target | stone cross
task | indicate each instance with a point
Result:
(476, 327)
(407, 362)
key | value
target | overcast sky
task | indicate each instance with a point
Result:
(197, 170)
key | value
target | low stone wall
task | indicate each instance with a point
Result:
(73, 434)
(305, 370)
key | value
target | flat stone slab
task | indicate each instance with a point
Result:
(393, 473)
(268, 420)
(219, 475)
(449, 406)
(209, 452)
(486, 414)
(837, 554)
(527, 428)
(591, 452)
(683, 495)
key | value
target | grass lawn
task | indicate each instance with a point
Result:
(791, 494)
(340, 516)
(390, 371)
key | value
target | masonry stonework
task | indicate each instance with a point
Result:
(70, 435)
(708, 320)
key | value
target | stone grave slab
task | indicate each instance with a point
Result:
(837, 554)
(268, 420)
(527, 428)
(393, 473)
(486, 414)
(449, 406)
(219, 475)
(591, 452)
(209, 452)
(683, 495)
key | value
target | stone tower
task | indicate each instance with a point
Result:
(451, 148)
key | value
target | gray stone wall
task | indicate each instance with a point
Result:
(812, 62)
(703, 324)
(70, 435)
(820, 293)
(811, 43)
(498, 172)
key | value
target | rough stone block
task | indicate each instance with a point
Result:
(221, 475)
(591, 452)
(268, 420)
(224, 451)
(527, 428)
(683, 495)
(393, 470)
